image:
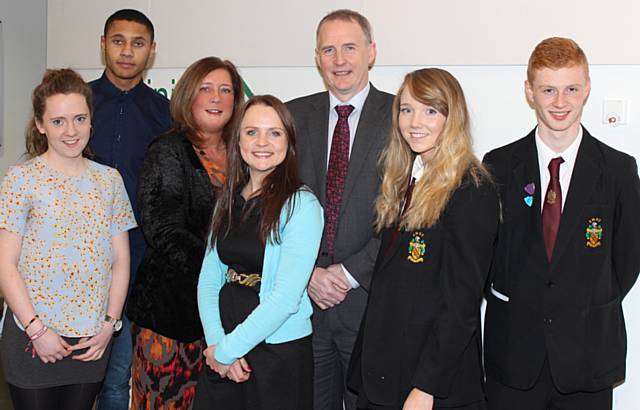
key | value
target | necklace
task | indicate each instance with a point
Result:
(216, 172)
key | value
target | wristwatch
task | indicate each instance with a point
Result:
(116, 323)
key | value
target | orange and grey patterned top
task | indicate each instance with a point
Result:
(67, 224)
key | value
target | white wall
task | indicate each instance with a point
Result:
(411, 32)
(24, 35)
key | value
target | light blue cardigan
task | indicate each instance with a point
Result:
(284, 311)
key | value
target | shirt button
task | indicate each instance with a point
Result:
(118, 138)
(550, 284)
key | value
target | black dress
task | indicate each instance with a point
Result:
(282, 374)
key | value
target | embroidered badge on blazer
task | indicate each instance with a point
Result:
(593, 233)
(417, 248)
(530, 189)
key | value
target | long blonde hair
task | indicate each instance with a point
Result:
(452, 156)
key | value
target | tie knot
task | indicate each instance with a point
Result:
(554, 166)
(344, 110)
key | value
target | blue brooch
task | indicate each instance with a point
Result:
(530, 189)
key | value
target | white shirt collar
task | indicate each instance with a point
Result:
(357, 100)
(418, 168)
(546, 154)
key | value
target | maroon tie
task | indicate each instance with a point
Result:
(552, 208)
(407, 197)
(336, 174)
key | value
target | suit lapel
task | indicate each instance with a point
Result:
(365, 140)
(318, 132)
(586, 172)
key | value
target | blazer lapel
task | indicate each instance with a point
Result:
(394, 243)
(318, 133)
(527, 172)
(586, 172)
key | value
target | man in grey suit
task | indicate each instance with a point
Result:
(340, 136)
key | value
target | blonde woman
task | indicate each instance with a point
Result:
(437, 215)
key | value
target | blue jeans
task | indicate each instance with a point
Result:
(115, 389)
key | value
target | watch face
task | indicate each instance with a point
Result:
(117, 325)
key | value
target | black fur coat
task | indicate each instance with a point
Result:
(176, 200)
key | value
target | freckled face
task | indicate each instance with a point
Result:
(558, 97)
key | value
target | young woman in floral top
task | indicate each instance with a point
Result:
(64, 265)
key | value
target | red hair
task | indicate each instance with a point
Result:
(556, 53)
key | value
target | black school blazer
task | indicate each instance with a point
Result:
(569, 310)
(422, 323)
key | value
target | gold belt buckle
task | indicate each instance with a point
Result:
(245, 279)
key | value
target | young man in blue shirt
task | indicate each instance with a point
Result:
(127, 116)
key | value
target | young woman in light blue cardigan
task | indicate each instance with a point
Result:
(252, 294)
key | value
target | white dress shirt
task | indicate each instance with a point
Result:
(418, 168)
(358, 102)
(546, 154)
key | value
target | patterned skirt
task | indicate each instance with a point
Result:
(164, 371)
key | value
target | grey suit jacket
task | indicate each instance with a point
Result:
(355, 245)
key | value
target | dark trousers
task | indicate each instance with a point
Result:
(281, 378)
(545, 396)
(335, 331)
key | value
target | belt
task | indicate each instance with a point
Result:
(245, 279)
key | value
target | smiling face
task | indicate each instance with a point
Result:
(558, 97)
(420, 125)
(127, 47)
(263, 141)
(344, 56)
(212, 106)
(67, 125)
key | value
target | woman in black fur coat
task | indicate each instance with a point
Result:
(181, 174)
